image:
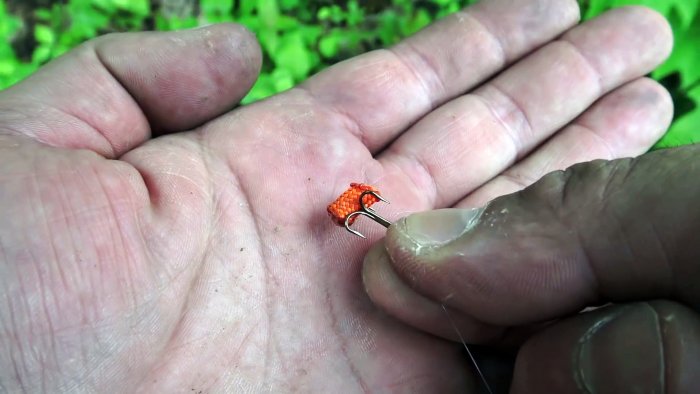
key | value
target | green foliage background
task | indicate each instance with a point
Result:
(301, 37)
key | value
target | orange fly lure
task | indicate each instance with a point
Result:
(349, 202)
(354, 202)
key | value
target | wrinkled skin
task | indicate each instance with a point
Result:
(203, 259)
(602, 232)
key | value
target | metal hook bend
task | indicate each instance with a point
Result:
(367, 211)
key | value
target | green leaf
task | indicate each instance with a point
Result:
(289, 4)
(41, 55)
(285, 22)
(43, 14)
(294, 56)
(662, 6)
(136, 7)
(44, 35)
(216, 8)
(269, 12)
(686, 129)
(388, 28)
(355, 14)
(417, 22)
(251, 22)
(8, 66)
(329, 45)
(324, 13)
(22, 70)
(311, 34)
(282, 80)
(165, 24)
(9, 26)
(687, 10)
(264, 87)
(333, 13)
(594, 8)
(269, 40)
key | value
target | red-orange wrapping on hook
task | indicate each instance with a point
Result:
(349, 202)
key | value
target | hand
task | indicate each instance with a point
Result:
(623, 232)
(204, 260)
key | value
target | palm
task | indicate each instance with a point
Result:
(204, 260)
(271, 289)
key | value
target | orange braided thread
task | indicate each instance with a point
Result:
(349, 202)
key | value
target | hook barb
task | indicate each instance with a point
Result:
(366, 211)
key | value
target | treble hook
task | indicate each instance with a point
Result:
(354, 202)
(366, 211)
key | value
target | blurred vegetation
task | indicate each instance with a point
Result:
(301, 37)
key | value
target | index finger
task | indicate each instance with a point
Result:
(110, 94)
(382, 92)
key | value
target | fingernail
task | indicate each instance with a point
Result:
(622, 351)
(434, 228)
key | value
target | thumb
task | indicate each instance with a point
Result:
(649, 347)
(602, 231)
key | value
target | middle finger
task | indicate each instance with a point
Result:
(381, 93)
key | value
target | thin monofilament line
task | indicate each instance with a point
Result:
(471, 356)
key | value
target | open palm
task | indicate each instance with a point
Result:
(203, 260)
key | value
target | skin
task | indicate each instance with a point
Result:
(203, 260)
(603, 232)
